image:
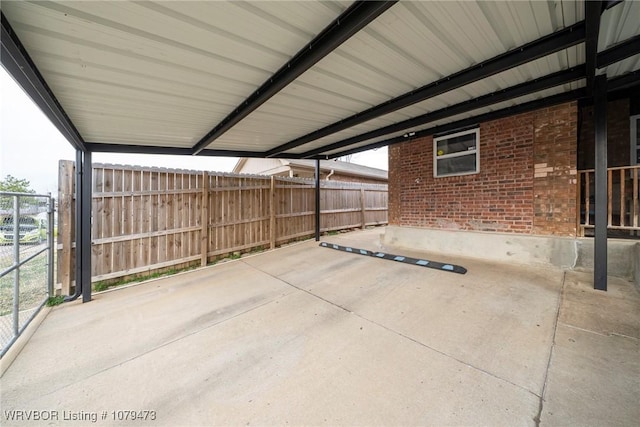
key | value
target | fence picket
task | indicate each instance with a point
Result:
(146, 219)
(622, 203)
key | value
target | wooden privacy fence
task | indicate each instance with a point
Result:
(623, 193)
(148, 219)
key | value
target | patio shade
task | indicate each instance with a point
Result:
(304, 79)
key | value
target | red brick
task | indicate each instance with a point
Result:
(503, 196)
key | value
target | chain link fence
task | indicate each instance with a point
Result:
(26, 260)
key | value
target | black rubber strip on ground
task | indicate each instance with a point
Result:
(452, 268)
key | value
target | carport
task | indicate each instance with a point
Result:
(308, 79)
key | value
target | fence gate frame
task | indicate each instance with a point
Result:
(17, 330)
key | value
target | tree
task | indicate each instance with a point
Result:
(15, 185)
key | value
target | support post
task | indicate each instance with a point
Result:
(363, 206)
(317, 208)
(83, 226)
(580, 195)
(85, 238)
(204, 219)
(600, 240)
(272, 213)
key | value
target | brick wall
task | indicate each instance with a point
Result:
(504, 196)
(555, 157)
(618, 145)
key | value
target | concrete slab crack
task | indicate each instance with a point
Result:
(299, 288)
(537, 418)
(400, 334)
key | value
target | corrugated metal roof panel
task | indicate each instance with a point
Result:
(411, 45)
(165, 73)
(619, 24)
(495, 107)
(625, 66)
(192, 61)
(503, 80)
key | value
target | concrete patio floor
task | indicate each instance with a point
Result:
(306, 335)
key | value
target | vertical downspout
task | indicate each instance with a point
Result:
(329, 176)
(600, 239)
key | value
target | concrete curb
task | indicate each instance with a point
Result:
(564, 253)
(23, 339)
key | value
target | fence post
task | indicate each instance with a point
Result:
(579, 229)
(51, 207)
(363, 205)
(636, 210)
(204, 244)
(16, 261)
(66, 226)
(272, 213)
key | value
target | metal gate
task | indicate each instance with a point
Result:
(26, 261)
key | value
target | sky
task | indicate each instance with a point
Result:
(30, 146)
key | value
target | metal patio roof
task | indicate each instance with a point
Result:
(305, 79)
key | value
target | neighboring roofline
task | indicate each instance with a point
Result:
(239, 164)
(243, 160)
(339, 167)
(342, 168)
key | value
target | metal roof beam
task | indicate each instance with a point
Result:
(20, 66)
(544, 46)
(625, 81)
(254, 154)
(619, 52)
(522, 89)
(471, 121)
(592, 13)
(352, 20)
(98, 147)
(611, 3)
